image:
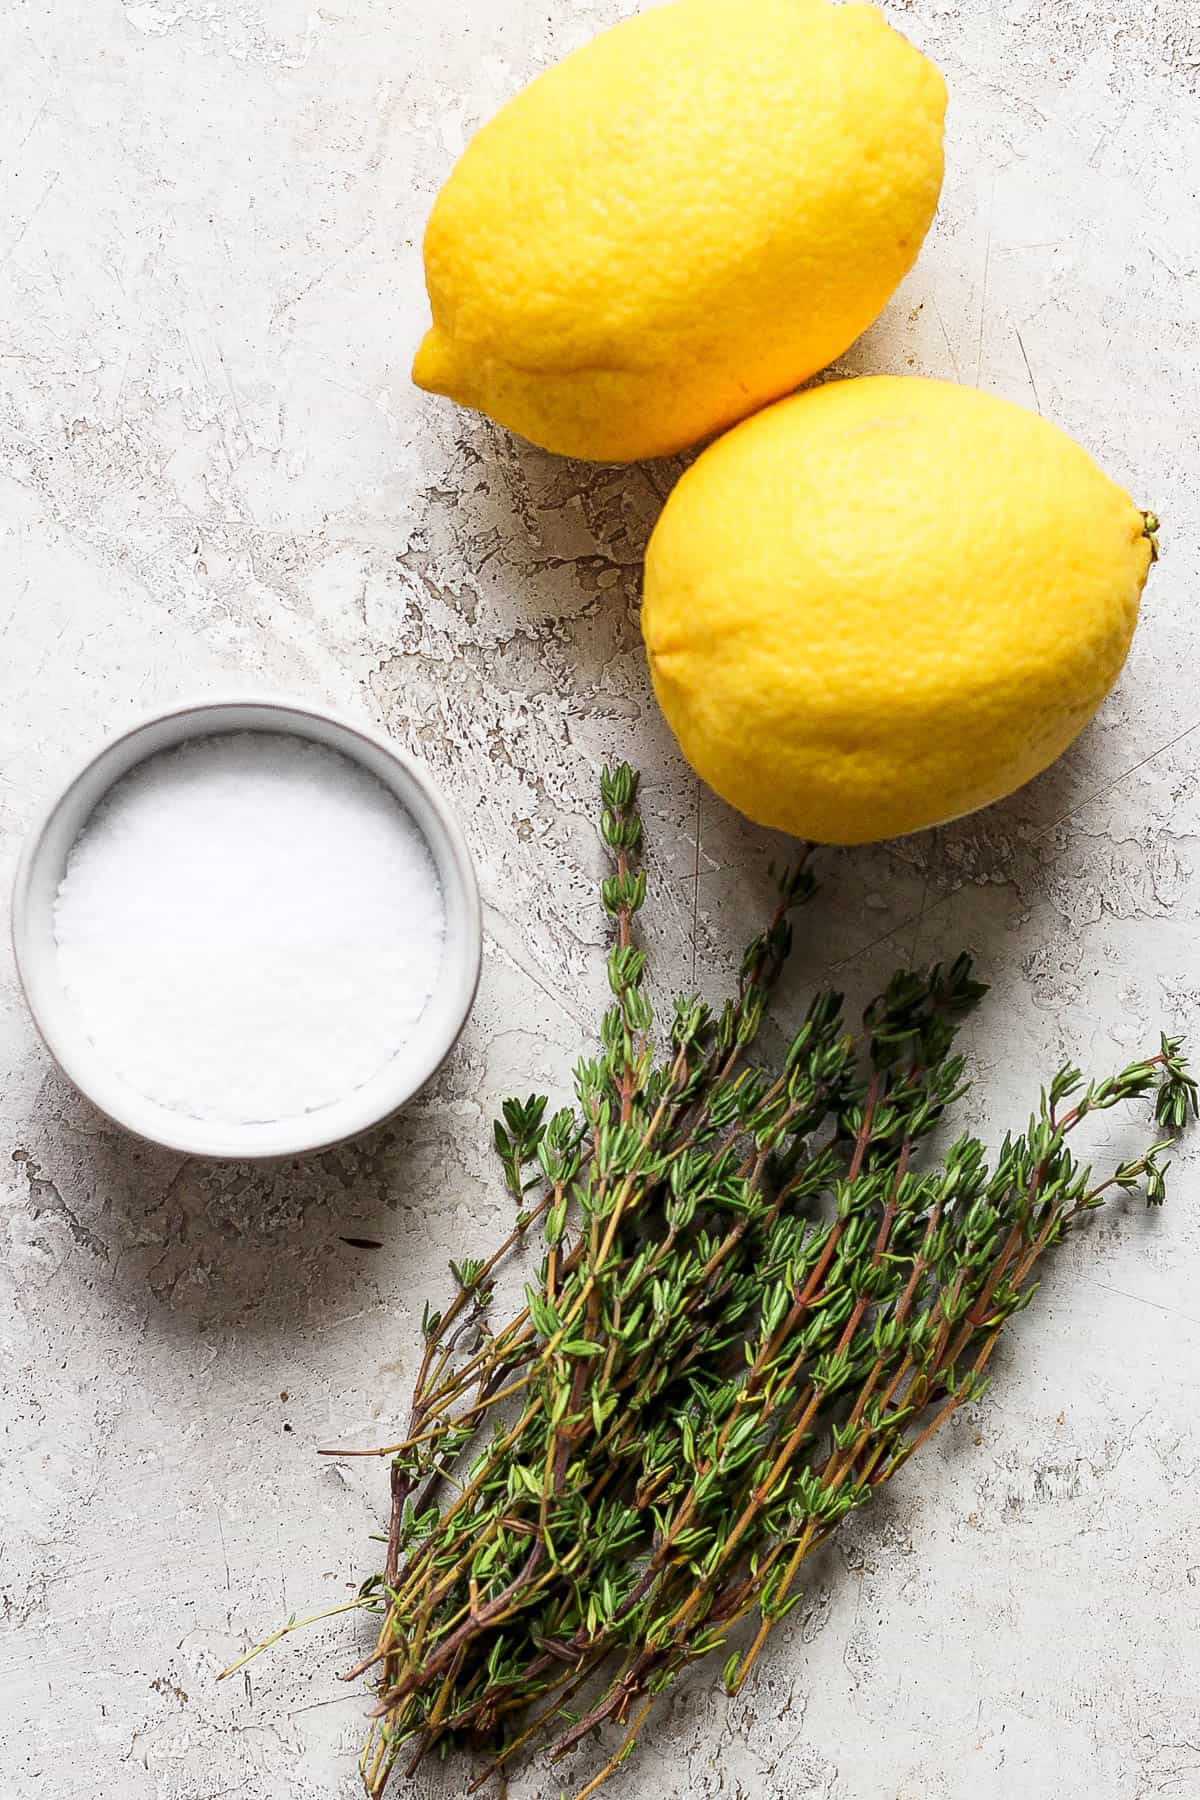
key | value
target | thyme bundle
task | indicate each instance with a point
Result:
(762, 1290)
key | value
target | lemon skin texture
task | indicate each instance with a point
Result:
(680, 222)
(885, 602)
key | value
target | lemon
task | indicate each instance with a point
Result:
(886, 602)
(683, 220)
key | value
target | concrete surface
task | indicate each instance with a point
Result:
(213, 471)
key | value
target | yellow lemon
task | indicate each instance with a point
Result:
(885, 602)
(683, 220)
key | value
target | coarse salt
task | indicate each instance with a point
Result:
(249, 927)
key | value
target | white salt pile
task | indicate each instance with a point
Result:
(249, 927)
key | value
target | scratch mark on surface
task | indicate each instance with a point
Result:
(505, 951)
(1033, 384)
(1100, 793)
(338, 1700)
(937, 311)
(912, 954)
(14, 611)
(652, 484)
(233, 395)
(224, 1552)
(315, 281)
(853, 956)
(15, 245)
(31, 128)
(983, 297)
(1176, 274)
(1141, 1300)
(1107, 138)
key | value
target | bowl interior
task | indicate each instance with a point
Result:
(44, 863)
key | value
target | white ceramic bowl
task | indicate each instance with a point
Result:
(43, 863)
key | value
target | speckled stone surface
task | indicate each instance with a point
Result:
(214, 473)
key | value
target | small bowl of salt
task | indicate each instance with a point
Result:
(248, 928)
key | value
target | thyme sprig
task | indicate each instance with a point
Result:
(762, 1289)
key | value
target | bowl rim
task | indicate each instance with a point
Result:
(365, 1107)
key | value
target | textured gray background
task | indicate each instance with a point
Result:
(214, 471)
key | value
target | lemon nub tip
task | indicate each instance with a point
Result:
(433, 365)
